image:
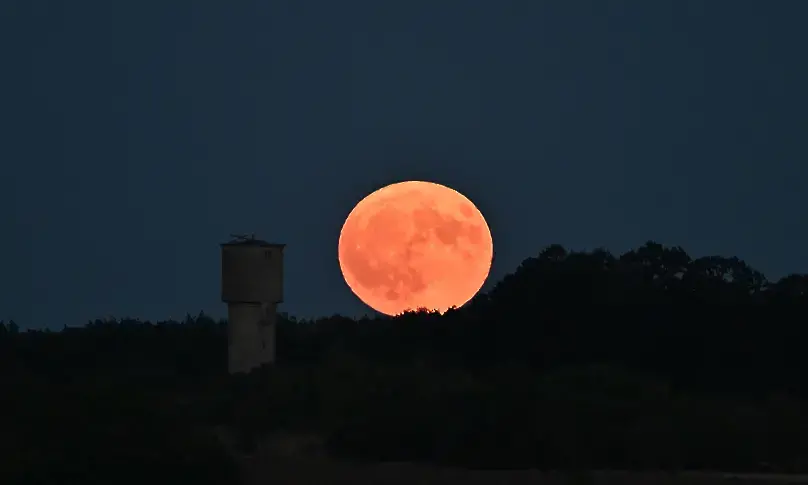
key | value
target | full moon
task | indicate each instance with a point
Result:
(413, 245)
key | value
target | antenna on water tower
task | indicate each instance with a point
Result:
(252, 287)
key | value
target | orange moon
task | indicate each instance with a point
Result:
(414, 245)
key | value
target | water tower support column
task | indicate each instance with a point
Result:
(251, 336)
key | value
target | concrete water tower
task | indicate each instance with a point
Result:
(252, 287)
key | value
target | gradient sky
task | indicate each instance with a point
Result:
(137, 135)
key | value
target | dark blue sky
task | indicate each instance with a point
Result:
(136, 135)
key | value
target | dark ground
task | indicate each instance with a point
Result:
(299, 460)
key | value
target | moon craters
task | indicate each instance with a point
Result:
(415, 244)
(376, 258)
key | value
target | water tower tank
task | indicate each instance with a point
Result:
(252, 287)
(252, 271)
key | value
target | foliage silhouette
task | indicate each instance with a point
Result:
(649, 359)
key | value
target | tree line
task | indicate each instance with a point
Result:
(585, 359)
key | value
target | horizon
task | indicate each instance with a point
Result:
(371, 314)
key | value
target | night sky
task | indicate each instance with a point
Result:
(137, 135)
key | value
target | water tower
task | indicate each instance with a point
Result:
(252, 287)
